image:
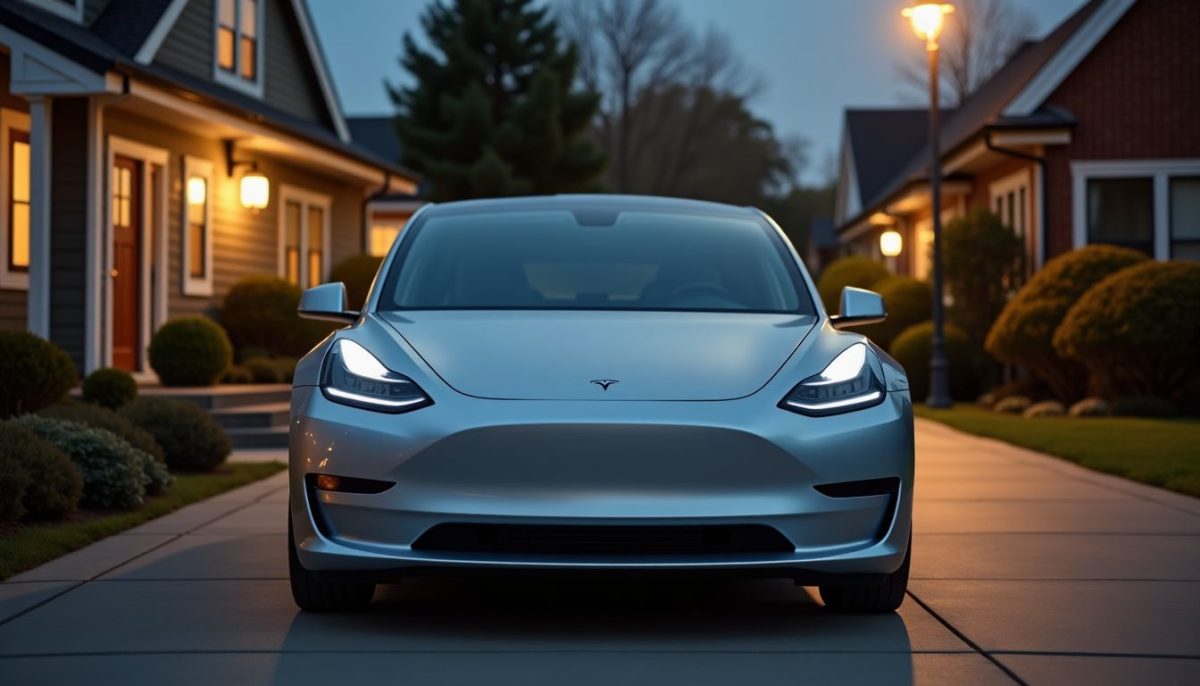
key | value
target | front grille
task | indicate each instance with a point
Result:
(604, 540)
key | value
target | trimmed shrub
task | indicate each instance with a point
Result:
(260, 312)
(1013, 404)
(103, 418)
(1023, 333)
(192, 351)
(1138, 331)
(109, 387)
(286, 366)
(908, 301)
(55, 484)
(357, 272)
(190, 438)
(14, 480)
(986, 400)
(237, 374)
(1089, 407)
(980, 287)
(1029, 387)
(33, 373)
(263, 370)
(1143, 406)
(113, 471)
(857, 271)
(158, 479)
(1046, 408)
(912, 349)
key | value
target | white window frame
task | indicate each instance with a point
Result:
(1014, 183)
(1160, 171)
(235, 80)
(72, 11)
(197, 286)
(10, 279)
(306, 199)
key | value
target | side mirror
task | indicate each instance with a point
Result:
(328, 302)
(859, 306)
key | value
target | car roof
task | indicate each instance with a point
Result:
(590, 201)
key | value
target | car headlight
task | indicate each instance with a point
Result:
(353, 376)
(849, 382)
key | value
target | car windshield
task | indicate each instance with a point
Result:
(594, 259)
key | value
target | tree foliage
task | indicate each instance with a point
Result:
(980, 287)
(492, 110)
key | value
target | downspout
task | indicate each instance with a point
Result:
(1043, 228)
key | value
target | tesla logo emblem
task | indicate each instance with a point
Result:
(604, 383)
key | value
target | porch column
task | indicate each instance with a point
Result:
(38, 305)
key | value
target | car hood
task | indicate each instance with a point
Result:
(560, 355)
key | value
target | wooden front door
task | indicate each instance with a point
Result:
(126, 263)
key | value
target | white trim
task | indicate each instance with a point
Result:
(193, 286)
(166, 22)
(964, 158)
(1067, 58)
(37, 70)
(57, 7)
(306, 199)
(11, 119)
(1013, 183)
(96, 349)
(1160, 171)
(37, 305)
(235, 81)
(318, 60)
(153, 238)
(1039, 239)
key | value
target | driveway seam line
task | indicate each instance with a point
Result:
(963, 637)
(480, 651)
(31, 608)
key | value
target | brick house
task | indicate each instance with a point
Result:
(1090, 135)
(153, 152)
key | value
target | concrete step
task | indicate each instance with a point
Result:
(262, 416)
(259, 437)
(224, 396)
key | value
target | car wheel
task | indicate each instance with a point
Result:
(314, 594)
(885, 597)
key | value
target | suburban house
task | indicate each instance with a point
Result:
(387, 213)
(1089, 135)
(153, 152)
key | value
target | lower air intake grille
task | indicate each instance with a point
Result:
(604, 540)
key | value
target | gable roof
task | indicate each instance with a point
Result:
(376, 134)
(880, 142)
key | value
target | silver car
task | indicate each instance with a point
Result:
(599, 383)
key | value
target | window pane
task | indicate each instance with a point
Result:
(196, 245)
(225, 49)
(382, 237)
(19, 255)
(316, 245)
(247, 59)
(1185, 208)
(291, 241)
(20, 171)
(225, 12)
(1121, 211)
(197, 210)
(249, 18)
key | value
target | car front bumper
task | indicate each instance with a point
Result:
(600, 463)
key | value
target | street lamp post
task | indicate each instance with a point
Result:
(927, 20)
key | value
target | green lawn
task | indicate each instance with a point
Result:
(1159, 452)
(26, 547)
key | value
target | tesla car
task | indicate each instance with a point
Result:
(602, 384)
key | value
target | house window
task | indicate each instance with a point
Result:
(304, 237)
(1185, 218)
(382, 237)
(1120, 211)
(15, 199)
(239, 44)
(197, 227)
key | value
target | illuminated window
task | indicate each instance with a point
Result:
(316, 246)
(239, 32)
(303, 237)
(197, 227)
(18, 201)
(382, 237)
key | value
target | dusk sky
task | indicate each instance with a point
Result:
(816, 56)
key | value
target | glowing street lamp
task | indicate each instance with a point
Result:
(927, 20)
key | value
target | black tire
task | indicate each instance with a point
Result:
(883, 598)
(314, 594)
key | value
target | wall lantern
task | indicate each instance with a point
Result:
(890, 243)
(197, 190)
(255, 188)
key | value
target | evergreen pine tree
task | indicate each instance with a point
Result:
(492, 111)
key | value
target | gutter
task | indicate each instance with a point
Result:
(1040, 160)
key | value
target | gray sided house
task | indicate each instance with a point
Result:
(154, 152)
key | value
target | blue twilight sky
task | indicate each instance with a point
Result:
(815, 56)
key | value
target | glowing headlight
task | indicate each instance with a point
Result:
(353, 376)
(849, 382)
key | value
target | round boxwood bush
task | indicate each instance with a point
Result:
(33, 373)
(912, 349)
(1138, 330)
(109, 387)
(103, 418)
(237, 374)
(261, 312)
(1023, 334)
(908, 301)
(357, 272)
(113, 471)
(55, 484)
(263, 370)
(190, 439)
(1143, 406)
(1089, 407)
(14, 480)
(1046, 408)
(1013, 404)
(192, 351)
(857, 271)
(286, 366)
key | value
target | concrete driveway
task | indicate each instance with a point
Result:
(1025, 569)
